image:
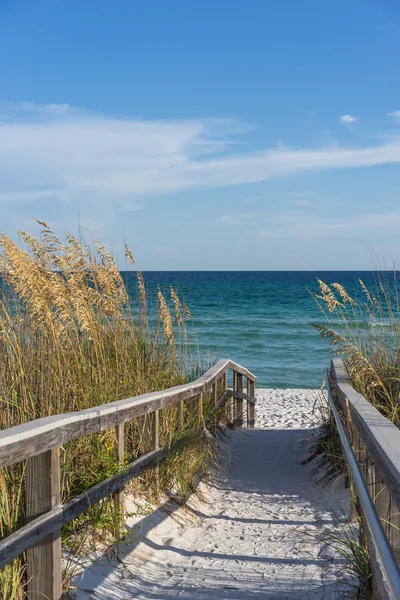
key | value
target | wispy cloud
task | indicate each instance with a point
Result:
(395, 114)
(27, 109)
(348, 119)
(77, 157)
(312, 227)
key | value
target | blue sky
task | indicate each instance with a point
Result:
(229, 134)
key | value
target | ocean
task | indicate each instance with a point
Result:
(260, 319)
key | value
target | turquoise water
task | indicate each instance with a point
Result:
(260, 319)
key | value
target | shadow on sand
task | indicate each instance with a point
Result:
(265, 467)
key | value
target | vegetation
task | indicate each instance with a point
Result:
(71, 338)
(352, 566)
(324, 449)
(366, 333)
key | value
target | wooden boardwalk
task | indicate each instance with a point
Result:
(255, 535)
(251, 539)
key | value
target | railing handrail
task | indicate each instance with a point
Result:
(39, 442)
(382, 547)
(32, 438)
(381, 437)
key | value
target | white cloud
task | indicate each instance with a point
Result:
(31, 108)
(395, 114)
(314, 227)
(79, 158)
(348, 119)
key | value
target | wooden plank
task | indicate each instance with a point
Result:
(154, 430)
(155, 444)
(200, 408)
(214, 400)
(250, 403)
(354, 504)
(394, 529)
(120, 453)
(241, 370)
(40, 527)
(381, 437)
(234, 401)
(42, 492)
(44, 436)
(24, 441)
(239, 401)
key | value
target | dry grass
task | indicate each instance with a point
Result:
(366, 333)
(71, 338)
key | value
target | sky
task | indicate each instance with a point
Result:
(208, 135)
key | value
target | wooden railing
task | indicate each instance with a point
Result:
(38, 442)
(375, 442)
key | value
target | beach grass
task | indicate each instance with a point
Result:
(72, 338)
(365, 332)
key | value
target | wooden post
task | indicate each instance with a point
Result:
(234, 387)
(120, 452)
(250, 405)
(394, 531)
(42, 489)
(154, 430)
(200, 407)
(214, 399)
(181, 415)
(239, 401)
(227, 403)
(354, 504)
(154, 443)
(382, 503)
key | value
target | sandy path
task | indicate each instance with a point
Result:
(250, 539)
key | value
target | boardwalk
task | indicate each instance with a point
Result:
(253, 537)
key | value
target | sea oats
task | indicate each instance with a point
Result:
(165, 318)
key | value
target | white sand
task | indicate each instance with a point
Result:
(253, 538)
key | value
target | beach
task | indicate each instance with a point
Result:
(255, 531)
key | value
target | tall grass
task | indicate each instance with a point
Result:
(71, 338)
(365, 331)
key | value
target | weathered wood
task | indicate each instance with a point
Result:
(234, 401)
(354, 504)
(375, 443)
(371, 478)
(223, 400)
(380, 436)
(24, 441)
(394, 528)
(155, 444)
(37, 529)
(42, 491)
(39, 441)
(250, 403)
(154, 430)
(200, 407)
(239, 401)
(214, 400)
(120, 453)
